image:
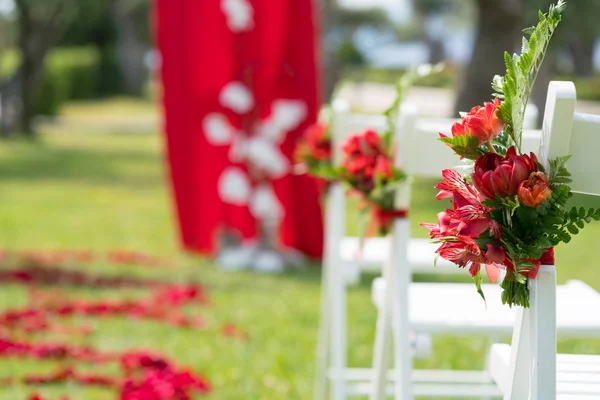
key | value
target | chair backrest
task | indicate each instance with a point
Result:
(421, 154)
(567, 132)
(564, 132)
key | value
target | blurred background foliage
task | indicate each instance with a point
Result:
(56, 51)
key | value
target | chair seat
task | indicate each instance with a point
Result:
(457, 308)
(421, 255)
(577, 376)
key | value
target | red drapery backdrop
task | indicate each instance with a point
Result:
(239, 86)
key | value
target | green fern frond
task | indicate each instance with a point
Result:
(521, 72)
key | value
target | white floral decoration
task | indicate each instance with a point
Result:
(217, 129)
(260, 148)
(239, 15)
(265, 204)
(234, 186)
(289, 114)
(267, 156)
(237, 97)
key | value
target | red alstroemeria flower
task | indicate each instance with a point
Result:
(455, 182)
(464, 252)
(459, 227)
(501, 176)
(483, 122)
(535, 190)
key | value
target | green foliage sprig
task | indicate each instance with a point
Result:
(408, 79)
(515, 87)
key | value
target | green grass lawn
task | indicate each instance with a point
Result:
(108, 191)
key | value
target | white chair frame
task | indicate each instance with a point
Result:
(527, 370)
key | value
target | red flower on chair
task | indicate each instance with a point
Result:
(483, 122)
(368, 168)
(496, 175)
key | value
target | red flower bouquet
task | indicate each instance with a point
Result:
(368, 159)
(367, 167)
(314, 152)
(511, 211)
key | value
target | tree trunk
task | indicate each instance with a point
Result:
(498, 31)
(437, 53)
(583, 56)
(26, 74)
(10, 105)
(130, 51)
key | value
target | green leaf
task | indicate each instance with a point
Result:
(573, 214)
(478, 279)
(521, 72)
(573, 229)
(543, 242)
(529, 31)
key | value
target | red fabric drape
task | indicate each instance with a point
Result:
(205, 46)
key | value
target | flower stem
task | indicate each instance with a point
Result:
(490, 147)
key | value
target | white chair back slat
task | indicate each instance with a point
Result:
(583, 146)
(428, 156)
(558, 121)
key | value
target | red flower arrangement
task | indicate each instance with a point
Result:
(511, 211)
(314, 151)
(367, 167)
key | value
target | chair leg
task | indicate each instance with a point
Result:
(400, 278)
(338, 337)
(520, 353)
(321, 378)
(381, 353)
(542, 333)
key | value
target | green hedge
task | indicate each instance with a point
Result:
(70, 74)
(75, 74)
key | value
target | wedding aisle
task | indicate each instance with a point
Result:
(241, 335)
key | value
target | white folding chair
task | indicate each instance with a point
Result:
(341, 268)
(530, 369)
(404, 306)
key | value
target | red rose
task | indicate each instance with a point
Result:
(483, 122)
(361, 154)
(367, 143)
(534, 190)
(497, 175)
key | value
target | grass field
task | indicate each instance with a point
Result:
(107, 191)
